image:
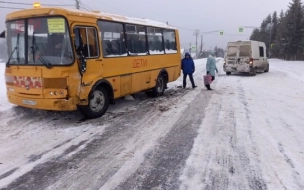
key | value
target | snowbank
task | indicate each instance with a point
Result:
(3, 100)
(293, 69)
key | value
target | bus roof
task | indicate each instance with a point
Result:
(94, 14)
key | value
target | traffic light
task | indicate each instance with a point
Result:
(241, 29)
(272, 46)
(221, 33)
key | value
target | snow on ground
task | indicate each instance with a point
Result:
(252, 135)
(246, 134)
(31, 137)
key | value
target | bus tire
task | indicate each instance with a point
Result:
(159, 88)
(98, 103)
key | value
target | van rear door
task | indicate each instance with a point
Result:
(232, 52)
(244, 54)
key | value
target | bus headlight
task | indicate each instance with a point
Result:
(10, 89)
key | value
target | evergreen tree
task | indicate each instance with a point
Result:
(294, 29)
(255, 35)
(278, 49)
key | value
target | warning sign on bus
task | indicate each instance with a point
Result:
(56, 25)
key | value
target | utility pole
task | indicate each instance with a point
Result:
(201, 43)
(77, 4)
(196, 34)
(269, 51)
(269, 26)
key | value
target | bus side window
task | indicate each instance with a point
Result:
(89, 40)
(170, 41)
(155, 41)
(112, 38)
(136, 40)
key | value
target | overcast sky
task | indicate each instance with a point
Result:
(205, 15)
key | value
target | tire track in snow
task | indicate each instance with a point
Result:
(276, 128)
(101, 157)
(255, 178)
(163, 165)
(230, 157)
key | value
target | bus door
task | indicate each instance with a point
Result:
(87, 47)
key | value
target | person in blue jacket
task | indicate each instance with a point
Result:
(188, 68)
(211, 68)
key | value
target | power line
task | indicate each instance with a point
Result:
(19, 3)
(85, 7)
(3, 7)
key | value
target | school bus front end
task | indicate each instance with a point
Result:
(41, 72)
(28, 87)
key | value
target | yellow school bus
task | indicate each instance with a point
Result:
(64, 59)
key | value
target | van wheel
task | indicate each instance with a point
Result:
(267, 69)
(253, 71)
(228, 73)
(159, 88)
(98, 103)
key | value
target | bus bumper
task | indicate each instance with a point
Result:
(44, 104)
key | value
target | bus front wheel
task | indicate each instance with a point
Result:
(159, 88)
(98, 103)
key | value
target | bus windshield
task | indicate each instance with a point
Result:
(47, 39)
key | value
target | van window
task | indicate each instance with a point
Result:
(261, 51)
(244, 51)
(232, 50)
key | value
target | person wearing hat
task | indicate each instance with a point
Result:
(188, 68)
(211, 67)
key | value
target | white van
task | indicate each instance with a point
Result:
(246, 57)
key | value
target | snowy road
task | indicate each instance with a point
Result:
(246, 134)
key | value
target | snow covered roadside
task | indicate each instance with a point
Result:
(30, 137)
(3, 100)
(252, 135)
(294, 69)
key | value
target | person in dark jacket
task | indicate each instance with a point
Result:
(188, 68)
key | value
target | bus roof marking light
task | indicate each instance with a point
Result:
(36, 5)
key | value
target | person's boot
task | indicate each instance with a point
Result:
(208, 87)
(194, 86)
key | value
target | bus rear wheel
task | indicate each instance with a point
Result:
(159, 88)
(98, 103)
